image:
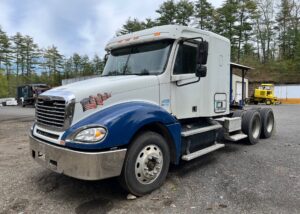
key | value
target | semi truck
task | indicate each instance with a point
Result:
(27, 94)
(163, 98)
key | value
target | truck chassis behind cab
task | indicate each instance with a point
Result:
(164, 96)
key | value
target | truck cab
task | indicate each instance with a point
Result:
(163, 98)
(27, 94)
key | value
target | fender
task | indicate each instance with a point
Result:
(122, 121)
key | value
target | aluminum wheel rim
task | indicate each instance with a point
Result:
(270, 124)
(148, 165)
(256, 127)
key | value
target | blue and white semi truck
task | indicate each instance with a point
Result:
(163, 97)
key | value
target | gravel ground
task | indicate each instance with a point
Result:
(264, 178)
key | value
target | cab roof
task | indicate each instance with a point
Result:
(159, 33)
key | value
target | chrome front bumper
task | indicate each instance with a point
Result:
(82, 165)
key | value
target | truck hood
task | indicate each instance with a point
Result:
(112, 85)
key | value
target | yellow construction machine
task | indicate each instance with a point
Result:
(264, 94)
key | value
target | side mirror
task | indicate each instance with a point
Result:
(202, 53)
(201, 71)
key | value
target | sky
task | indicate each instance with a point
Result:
(82, 26)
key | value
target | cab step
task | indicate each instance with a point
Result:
(201, 152)
(191, 132)
(235, 137)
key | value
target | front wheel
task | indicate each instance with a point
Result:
(146, 164)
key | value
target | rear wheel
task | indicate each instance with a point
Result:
(146, 164)
(268, 122)
(251, 125)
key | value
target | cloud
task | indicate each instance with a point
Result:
(82, 26)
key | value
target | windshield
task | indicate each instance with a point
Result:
(145, 59)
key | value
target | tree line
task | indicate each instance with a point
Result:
(22, 61)
(263, 34)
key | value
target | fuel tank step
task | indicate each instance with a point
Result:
(201, 152)
(235, 137)
(191, 132)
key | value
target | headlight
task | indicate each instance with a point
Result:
(90, 135)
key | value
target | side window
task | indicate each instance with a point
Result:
(186, 59)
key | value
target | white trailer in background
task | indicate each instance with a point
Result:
(11, 101)
(164, 97)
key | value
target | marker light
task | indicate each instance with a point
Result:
(90, 135)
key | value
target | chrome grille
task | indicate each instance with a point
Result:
(54, 112)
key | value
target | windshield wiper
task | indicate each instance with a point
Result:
(112, 73)
(143, 73)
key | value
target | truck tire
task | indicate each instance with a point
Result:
(146, 164)
(268, 122)
(251, 126)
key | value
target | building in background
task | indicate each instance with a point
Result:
(288, 93)
(237, 88)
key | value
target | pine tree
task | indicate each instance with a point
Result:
(184, 11)
(148, 23)
(2, 38)
(175, 13)
(98, 65)
(5, 53)
(31, 55)
(135, 25)
(77, 63)
(246, 13)
(54, 63)
(283, 19)
(264, 29)
(17, 50)
(68, 68)
(131, 26)
(226, 19)
(167, 13)
(204, 15)
(87, 68)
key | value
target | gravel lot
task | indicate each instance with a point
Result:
(264, 178)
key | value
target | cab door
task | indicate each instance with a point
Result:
(185, 86)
